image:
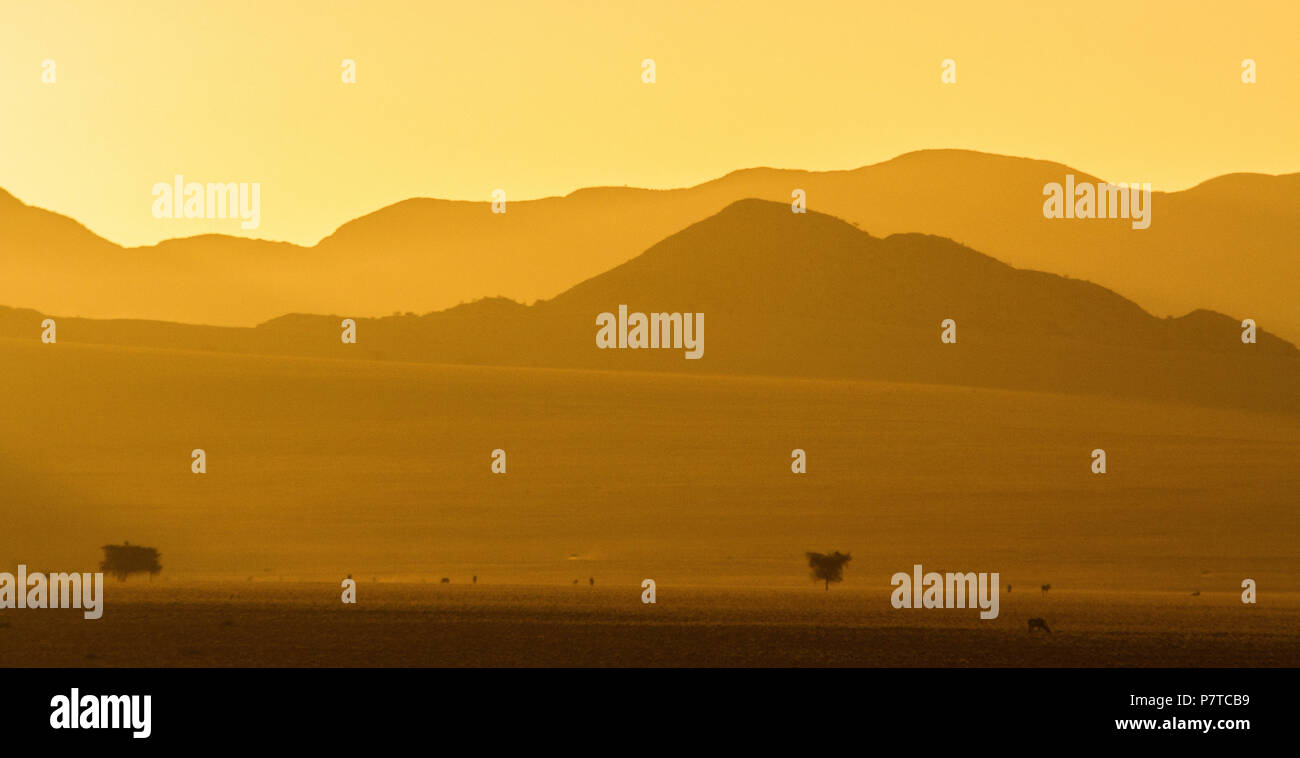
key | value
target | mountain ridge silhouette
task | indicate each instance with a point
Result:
(1227, 244)
(801, 295)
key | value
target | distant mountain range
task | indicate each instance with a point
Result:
(789, 294)
(1231, 244)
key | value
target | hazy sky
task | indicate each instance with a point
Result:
(540, 98)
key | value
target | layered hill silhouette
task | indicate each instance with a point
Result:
(802, 295)
(1231, 244)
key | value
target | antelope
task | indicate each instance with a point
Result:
(1038, 624)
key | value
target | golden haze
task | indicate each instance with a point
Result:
(455, 99)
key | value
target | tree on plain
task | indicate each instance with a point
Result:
(123, 560)
(828, 567)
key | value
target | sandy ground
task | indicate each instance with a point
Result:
(300, 624)
(321, 469)
(318, 469)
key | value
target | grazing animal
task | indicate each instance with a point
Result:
(1046, 587)
(1196, 593)
(1038, 624)
(445, 580)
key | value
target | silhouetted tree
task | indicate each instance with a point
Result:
(828, 568)
(126, 559)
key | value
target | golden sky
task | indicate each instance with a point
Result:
(540, 98)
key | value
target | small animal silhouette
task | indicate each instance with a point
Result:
(593, 581)
(1008, 589)
(1046, 587)
(1038, 624)
(445, 580)
(1196, 593)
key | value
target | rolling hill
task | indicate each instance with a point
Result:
(802, 295)
(1231, 244)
